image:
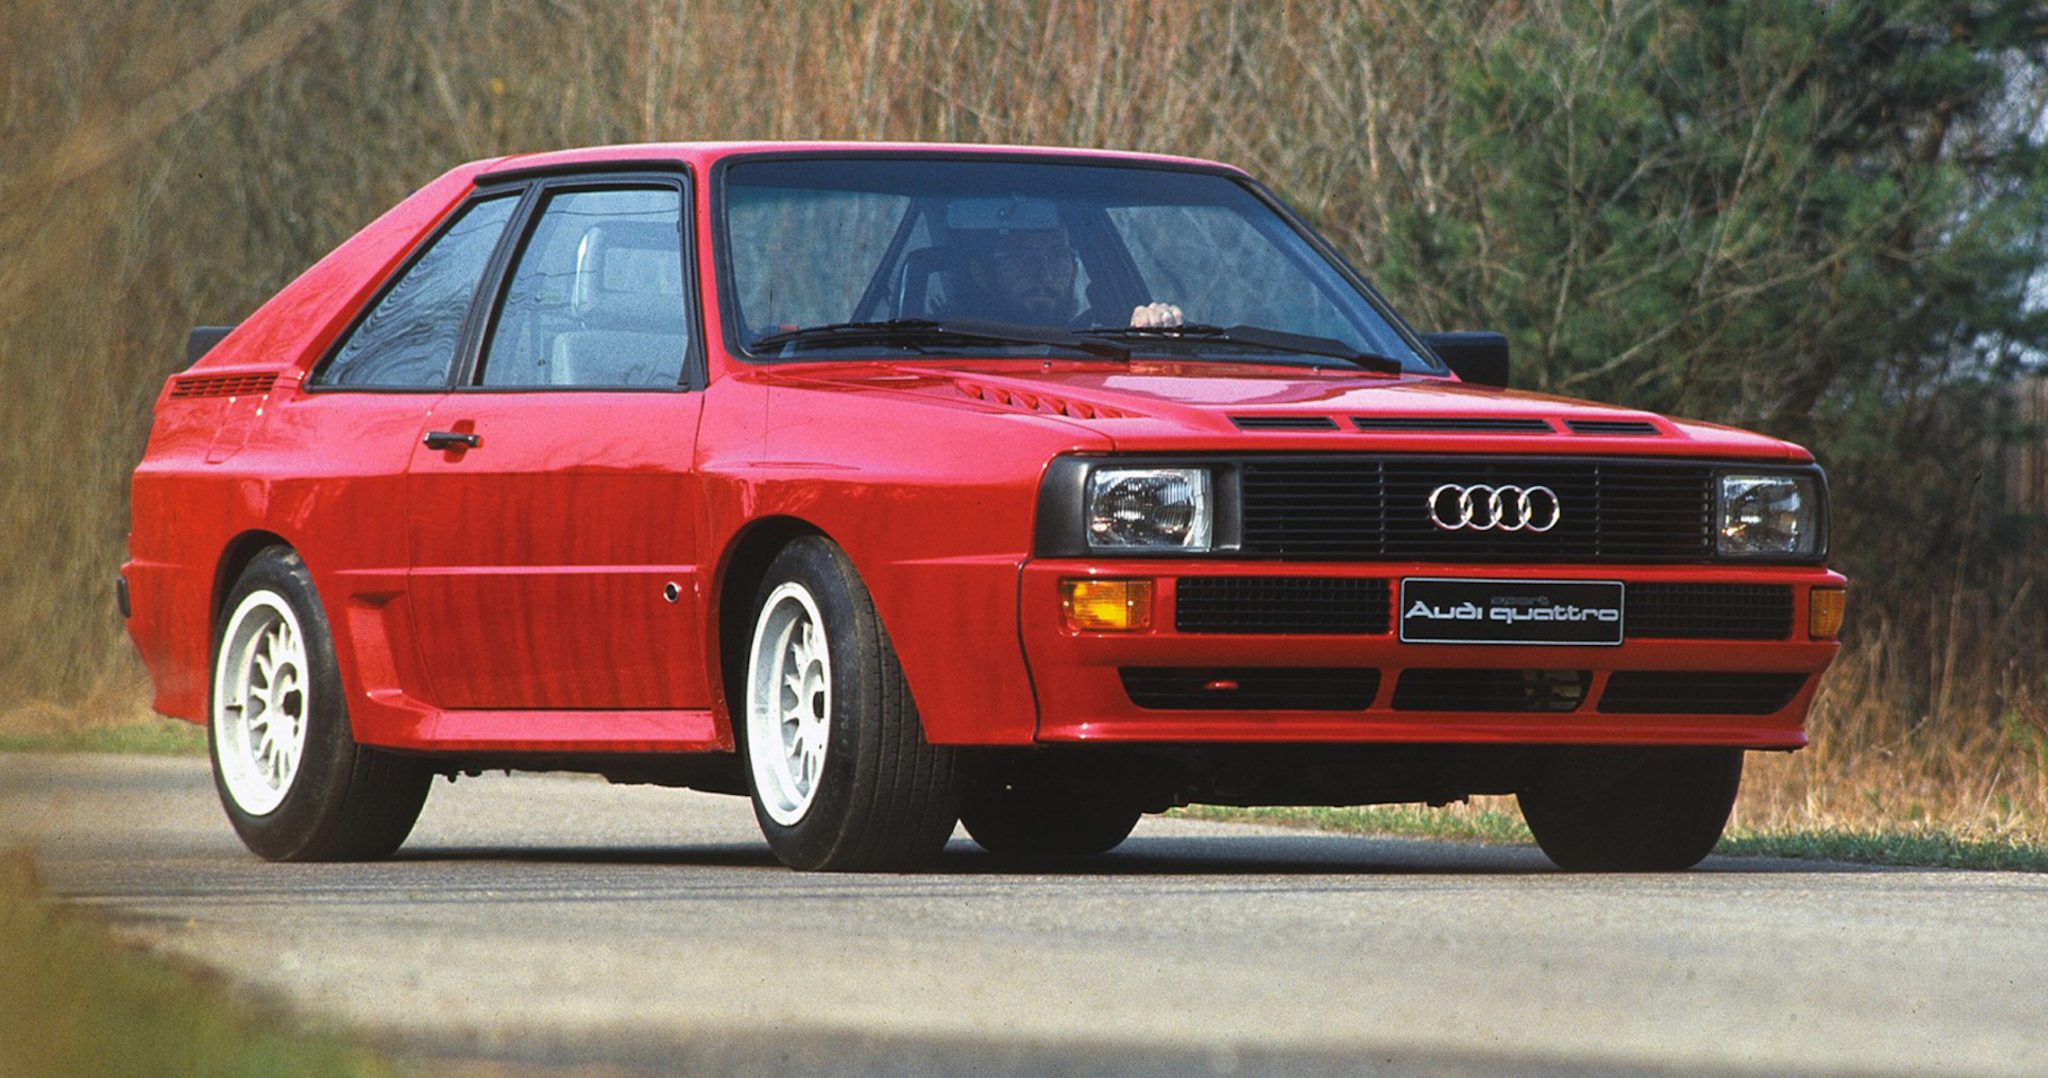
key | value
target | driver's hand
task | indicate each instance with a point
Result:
(1155, 316)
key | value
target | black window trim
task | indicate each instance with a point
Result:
(540, 183)
(313, 382)
(529, 187)
(722, 254)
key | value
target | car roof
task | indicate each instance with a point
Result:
(706, 153)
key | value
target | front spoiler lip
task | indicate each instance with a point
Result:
(1431, 728)
(1081, 698)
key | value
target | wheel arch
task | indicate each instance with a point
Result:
(741, 568)
(235, 557)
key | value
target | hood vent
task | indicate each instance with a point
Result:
(1041, 403)
(1284, 422)
(1611, 426)
(1453, 424)
(187, 387)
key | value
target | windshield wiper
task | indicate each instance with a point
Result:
(1275, 340)
(919, 333)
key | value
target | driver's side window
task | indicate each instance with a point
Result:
(598, 297)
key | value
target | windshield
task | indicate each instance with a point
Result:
(883, 256)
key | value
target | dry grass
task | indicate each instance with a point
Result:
(165, 163)
(1975, 766)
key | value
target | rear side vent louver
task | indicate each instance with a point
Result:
(1284, 422)
(1453, 424)
(189, 386)
(1611, 426)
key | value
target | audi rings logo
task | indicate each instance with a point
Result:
(1482, 508)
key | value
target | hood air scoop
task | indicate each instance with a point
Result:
(1449, 424)
(1284, 422)
(1456, 424)
(1612, 426)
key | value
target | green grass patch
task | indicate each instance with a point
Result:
(72, 1002)
(1929, 849)
(159, 737)
(1409, 821)
(1922, 848)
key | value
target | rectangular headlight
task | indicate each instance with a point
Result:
(1166, 509)
(1769, 516)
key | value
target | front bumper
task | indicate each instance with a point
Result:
(1749, 693)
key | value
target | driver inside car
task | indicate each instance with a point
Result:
(1024, 268)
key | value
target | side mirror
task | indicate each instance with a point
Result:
(1479, 358)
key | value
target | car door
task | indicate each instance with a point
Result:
(552, 508)
(363, 411)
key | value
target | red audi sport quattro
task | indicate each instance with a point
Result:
(903, 485)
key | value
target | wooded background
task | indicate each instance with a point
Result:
(1822, 221)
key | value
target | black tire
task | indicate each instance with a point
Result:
(1632, 810)
(343, 801)
(1029, 820)
(883, 798)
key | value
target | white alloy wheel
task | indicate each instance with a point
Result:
(262, 687)
(789, 703)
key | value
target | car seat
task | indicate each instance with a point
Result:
(627, 300)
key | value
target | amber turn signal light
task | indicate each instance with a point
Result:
(1824, 613)
(1107, 605)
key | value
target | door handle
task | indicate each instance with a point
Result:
(448, 439)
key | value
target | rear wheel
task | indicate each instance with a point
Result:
(295, 784)
(1633, 810)
(1028, 820)
(841, 775)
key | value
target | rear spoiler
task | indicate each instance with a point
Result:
(201, 341)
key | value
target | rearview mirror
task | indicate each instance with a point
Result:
(1479, 358)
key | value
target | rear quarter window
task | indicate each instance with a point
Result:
(408, 339)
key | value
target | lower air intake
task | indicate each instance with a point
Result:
(1491, 690)
(1709, 692)
(1175, 688)
(1281, 604)
(1709, 611)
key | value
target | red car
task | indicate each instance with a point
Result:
(900, 485)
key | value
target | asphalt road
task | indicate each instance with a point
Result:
(557, 921)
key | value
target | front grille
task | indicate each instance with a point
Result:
(1709, 611)
(1707, 692)
(1365, 508)
(1173, 688)
(1284, 422)
(1454, 424)
(1491, 690)
(1280, 604)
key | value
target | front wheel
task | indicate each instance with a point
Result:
(295, 784)
(1632, 810)
(841, 775)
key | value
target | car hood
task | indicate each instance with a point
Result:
(1167, 406)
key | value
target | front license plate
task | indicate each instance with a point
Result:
(1460, 610)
